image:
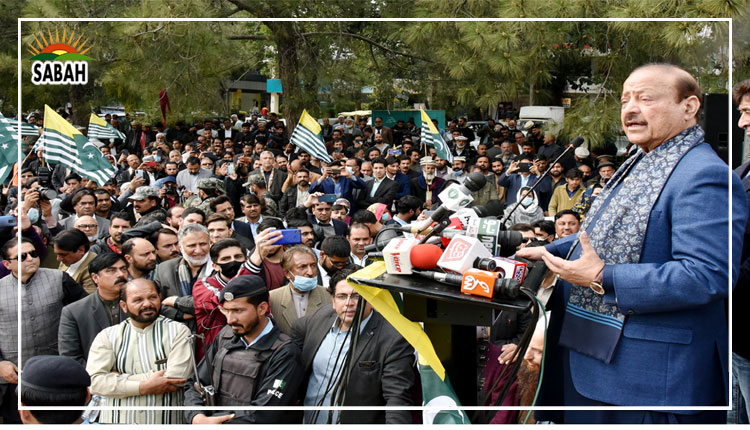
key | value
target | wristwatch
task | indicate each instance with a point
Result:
(596, 284)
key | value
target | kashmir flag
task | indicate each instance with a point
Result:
(308, 135)
(436, 389)
(99, 129)
(431, 136)
(8, 154)
(10, 124)
(65, 145)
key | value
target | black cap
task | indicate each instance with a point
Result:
(54, 373)
(243, 286)
(605, 164)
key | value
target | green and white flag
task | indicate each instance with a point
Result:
(431, 136)
(308, 136)
(98, 128)
(437, 394)
(8, 154)
(11, 124)
(65, 145)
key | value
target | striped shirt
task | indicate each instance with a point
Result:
(122, 356)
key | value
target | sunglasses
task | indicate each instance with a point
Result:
(25, 255)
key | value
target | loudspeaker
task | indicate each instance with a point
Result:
(714, 120)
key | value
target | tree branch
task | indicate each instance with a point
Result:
(149, 31)
(247, 37)
(364, 39)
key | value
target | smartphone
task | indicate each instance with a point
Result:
(291, 236)
(327, 198)
(230, 169)
(524, 167)
(125, 152)
(8, 221)
(394, 152)
(139, 173)
(335, 171)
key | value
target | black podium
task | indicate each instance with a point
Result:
(450, 319)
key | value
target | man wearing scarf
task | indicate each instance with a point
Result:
(427, 186)
(639, 318)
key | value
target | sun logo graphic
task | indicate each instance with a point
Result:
(57, 61)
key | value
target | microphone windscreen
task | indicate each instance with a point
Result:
(493, 208)
(475, 181)
(425, 256)
(577, 141)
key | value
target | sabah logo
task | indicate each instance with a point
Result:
(59, 60)
(456, 250)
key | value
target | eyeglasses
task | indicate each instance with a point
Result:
(88, 226)
(25, 255)
(354, 297)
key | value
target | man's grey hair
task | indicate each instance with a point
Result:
(268, 152)
(191, 228)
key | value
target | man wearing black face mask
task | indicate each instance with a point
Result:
(227, 258)
(334, 256)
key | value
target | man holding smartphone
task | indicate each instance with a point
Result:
(522, 173)
(338, 180)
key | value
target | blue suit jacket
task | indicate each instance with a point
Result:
(327, 186)
(673, 350)
(512, 183)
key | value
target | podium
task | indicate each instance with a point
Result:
(450, 319)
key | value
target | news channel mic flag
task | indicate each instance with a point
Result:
(638, 318)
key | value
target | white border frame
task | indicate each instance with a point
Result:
(386, 408)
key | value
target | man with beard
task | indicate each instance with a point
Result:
(273, 177)
(385, 133)
(489, 191)
(174, 216)
(227, 257)
(251, 362)
(81, 321)
(141, 257)
(189, 177)
(87, 224)
(145, 202)
(528, 374)
(175, 278)
(119, 222)
(72, 250)
(297, 194)
(142, 361)
(427, 186)
(166, 244)
(463, 149)
(334, 256)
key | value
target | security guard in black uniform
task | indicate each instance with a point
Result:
(250, 363)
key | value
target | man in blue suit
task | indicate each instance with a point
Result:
(638, 317)
(338, 180)
(524, 173)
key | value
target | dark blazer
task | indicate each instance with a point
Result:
(102, 229)
(80, 322)
(339, 227)
(387, 134)
(740, 341)
(288, 200)
(386, 193)
(243, 230)
(277, 180)
(382, 373)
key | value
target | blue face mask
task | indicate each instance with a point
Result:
(157, 158)
(304, 284)
(458, 172)
(33, 215)
(527, 201)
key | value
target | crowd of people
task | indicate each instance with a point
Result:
(174, 284)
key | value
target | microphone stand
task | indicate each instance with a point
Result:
(539, 180)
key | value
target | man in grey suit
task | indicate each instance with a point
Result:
(381, 365)
(84, 203)
(302, 295)
(81, 321)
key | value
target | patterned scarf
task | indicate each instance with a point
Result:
(185, 276)
(591, 326)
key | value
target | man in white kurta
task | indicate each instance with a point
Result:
(143, 361)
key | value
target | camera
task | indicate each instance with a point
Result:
(44, 176)
(46, 193)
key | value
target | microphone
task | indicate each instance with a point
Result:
(426, 257)
(490, 233)
(510, 268)
(493, 208)
(462, 253)
(577, 141)
(454, 198)
(383, 243)
(397, 255)
(478, 283)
